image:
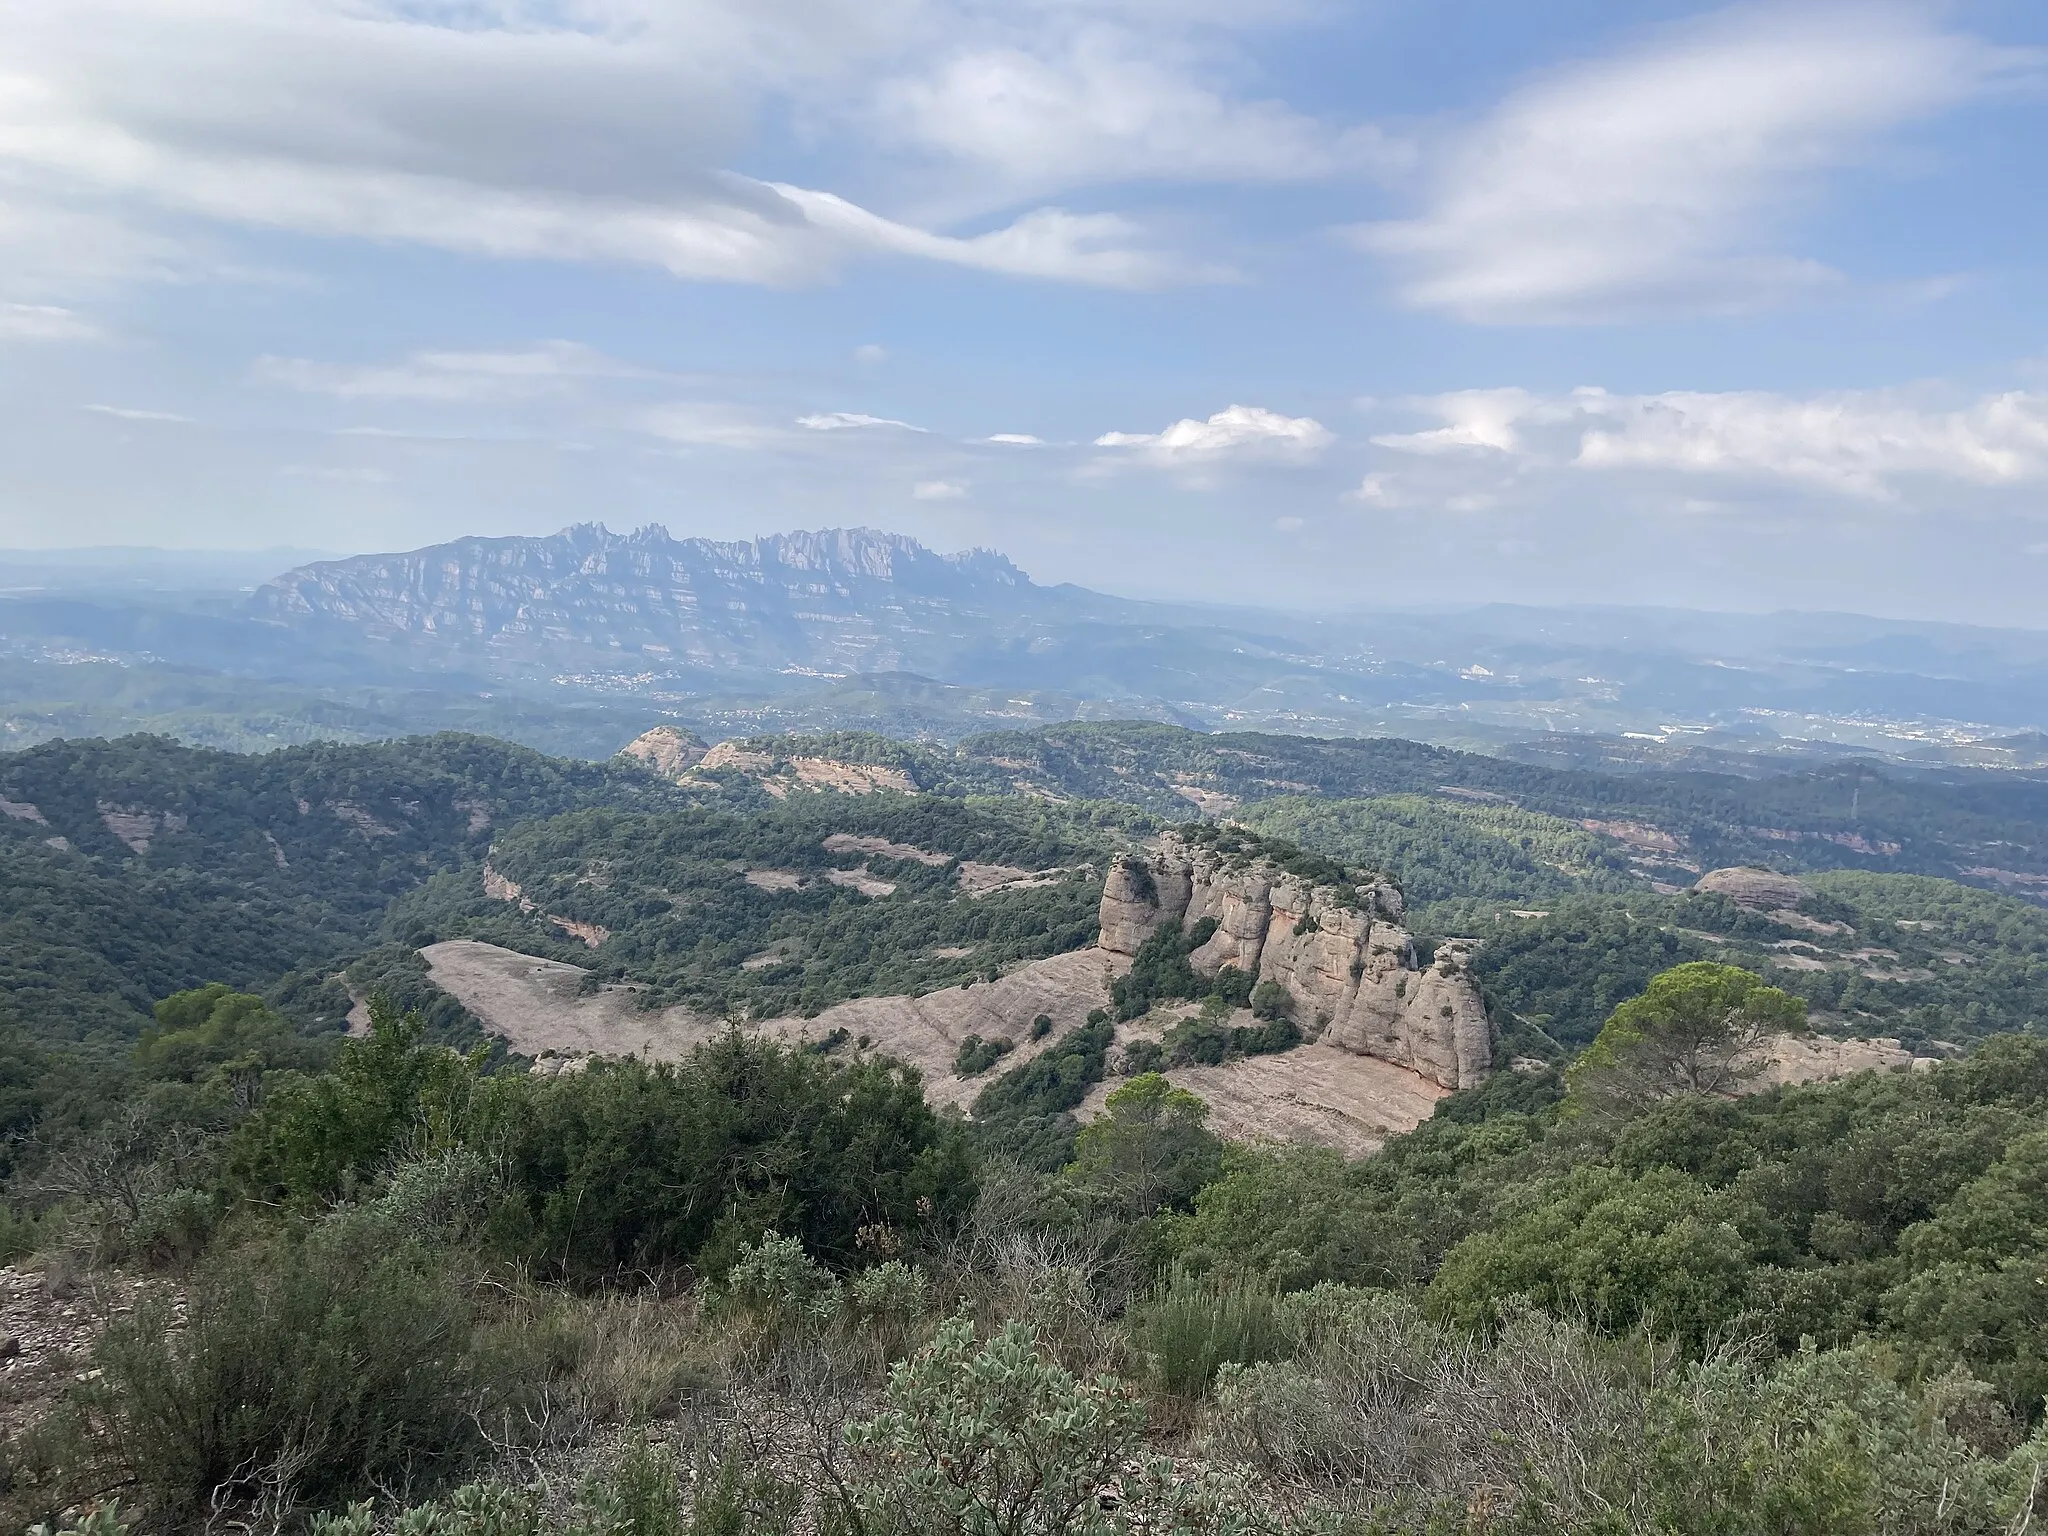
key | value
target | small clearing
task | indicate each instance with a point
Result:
(985, 879)
(774, 879)
(846, 842)
(860, 880)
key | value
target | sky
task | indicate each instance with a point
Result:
(1296, 303)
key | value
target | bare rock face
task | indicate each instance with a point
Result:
(1761, 890)
(1342, 954)
(668, 750)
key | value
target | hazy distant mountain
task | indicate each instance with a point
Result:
(570, 639)
(836, 602)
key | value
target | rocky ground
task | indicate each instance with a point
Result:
(49, 1320)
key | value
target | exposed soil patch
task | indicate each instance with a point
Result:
(860, 880)
(1637, 834)
(539, 1007)
(846, 842)
(48, 1327)
(1313, 1093)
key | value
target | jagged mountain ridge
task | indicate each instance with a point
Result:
(838, 600)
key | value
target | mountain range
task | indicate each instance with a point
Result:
(576, 640)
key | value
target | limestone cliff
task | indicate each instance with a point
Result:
(1340, 951)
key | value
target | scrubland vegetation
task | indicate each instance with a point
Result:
(397, 1283)
(768, 1290)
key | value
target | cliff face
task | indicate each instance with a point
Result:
(1352, 969)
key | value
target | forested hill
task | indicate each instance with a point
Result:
(1984, 827)
(132, 868)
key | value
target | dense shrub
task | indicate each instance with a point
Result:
(304, 1369)
(629, 1165)
(1192, 1325)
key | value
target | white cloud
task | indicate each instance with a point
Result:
(1378, 491)
(1099, 248)
(1856, 442)
(1654, 178)
(44, 322)
(1236, 430)
(841, 421)
(1287, 524)
(1473, 418)
(128, 413)
(939, 490)
(546, 369)
(591, 132)
(1105, 103)
(1018, 439)
(871, 354)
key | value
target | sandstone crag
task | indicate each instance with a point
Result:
(1342, 953)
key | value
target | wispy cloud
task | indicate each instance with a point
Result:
(44, 322)
(586, 134)
(1105, 103)
(546, 369)
(1658, 178)
(696, 424)
(939, 490)
(844, 421)
(129, 413)
(1235, 431)
(1858, 442)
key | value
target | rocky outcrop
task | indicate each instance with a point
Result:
(1760, 890)
(779, 775)
(1341, 952)
(669, 750)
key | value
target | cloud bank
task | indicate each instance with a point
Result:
(1657, 178)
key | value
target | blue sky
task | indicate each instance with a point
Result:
(1301, 303)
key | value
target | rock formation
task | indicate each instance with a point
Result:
(669, 750)
(1340, 951)
(1760, 890)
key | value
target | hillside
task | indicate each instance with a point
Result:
(1667, 827)
(139, 867)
